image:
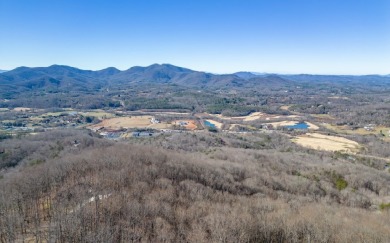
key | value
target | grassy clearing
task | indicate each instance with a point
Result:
(8, 121)
(233, 127)
(327, 143)
(98, 114)
(384, 206)
(378, 130)
(51, 114)
(130, 122)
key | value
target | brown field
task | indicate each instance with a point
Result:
(130, 122)
(327, 143)
(191, 124)
(161, 125)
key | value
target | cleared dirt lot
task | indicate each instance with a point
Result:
(285, 107)
(327, 143)
(251, 117)
(190, 124)
(22, 109)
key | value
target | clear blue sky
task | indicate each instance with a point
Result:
(221, 36)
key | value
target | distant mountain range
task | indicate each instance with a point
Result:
(58, 77)
(2, 71)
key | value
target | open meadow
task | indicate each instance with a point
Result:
(327, 143)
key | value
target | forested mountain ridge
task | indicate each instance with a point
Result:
(69, 77)
(59, 77)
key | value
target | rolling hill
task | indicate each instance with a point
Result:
(58, 78)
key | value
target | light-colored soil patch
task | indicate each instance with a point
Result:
(292, 116)
(216, 124)
(130, 122)
(127, 122)
(285, 107)
(161, 125)
(233, 126)
(4, 109)
(283, 123)
(251, 117)
(187, 124)
(338, 97)
(312, 126)
(22, 109)
(254, 116)
(220, 116)
(8, 121)
(327, 143)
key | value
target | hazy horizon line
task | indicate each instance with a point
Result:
(216, 73)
